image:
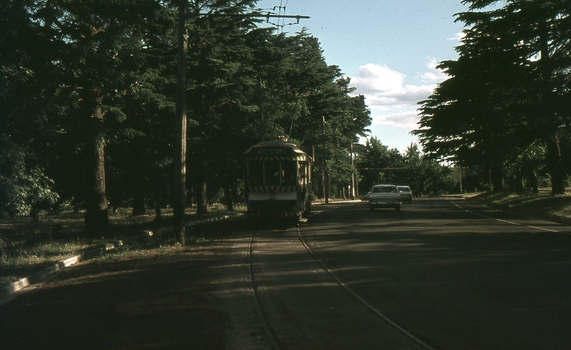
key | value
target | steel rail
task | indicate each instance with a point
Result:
(270, 334)
(356, 296)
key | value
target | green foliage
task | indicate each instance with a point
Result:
(507, 94)
(86, 78)
(22, 187)
(379, 164)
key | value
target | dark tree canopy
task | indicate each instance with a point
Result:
(88, 95)
(507, 92)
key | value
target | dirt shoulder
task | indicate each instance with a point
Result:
(183, 298)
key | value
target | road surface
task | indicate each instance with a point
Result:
(440, 274)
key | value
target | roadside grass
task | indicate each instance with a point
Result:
(542, 204)
(28, 246)
(26, 260)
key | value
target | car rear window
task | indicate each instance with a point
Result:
(383, 189)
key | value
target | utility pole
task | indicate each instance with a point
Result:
(179, 202)
(460, 179)
(352, 174)
(181, 126)
(325, 171)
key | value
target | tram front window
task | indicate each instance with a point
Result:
(256, 173)
(289, 172)
(302, 173)
(272, 172)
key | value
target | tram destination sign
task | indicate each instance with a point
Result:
(272, 151)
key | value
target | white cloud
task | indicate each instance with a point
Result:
(376, 79)
(384, 88)
(392, 102)
(458, 37)
(433, 74)
(405, 119)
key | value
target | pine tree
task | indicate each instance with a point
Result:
(507, 89)
(96, 58)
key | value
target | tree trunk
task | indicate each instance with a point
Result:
(35, 212)
(201, 197)
(229, 198)
(158, 216)
(497, 178)
(139, 204)
(158, 195)
(138, 185)
(555, 165)
(518, 183)
(534, 182)
(96, 215)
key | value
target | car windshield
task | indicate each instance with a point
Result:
(383, 189)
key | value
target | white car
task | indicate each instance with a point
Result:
(384, 196)
(405, 194)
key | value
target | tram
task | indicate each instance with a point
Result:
(278, 180)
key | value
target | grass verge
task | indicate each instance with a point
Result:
(542, 204)
(28, 246)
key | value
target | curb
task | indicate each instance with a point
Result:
(85, 255)
(204, 221)
(89, 253)
(36, 277)
(337, 201)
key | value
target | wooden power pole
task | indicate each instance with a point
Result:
(181, 126)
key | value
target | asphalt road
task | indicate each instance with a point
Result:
(440, 274)
(454, 274)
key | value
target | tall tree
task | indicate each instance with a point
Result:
(91, 85)
(378, 164)
(25, 97)
(310, 102)
(95, 55)
(218, 62)
(506, 90)
(536, 35)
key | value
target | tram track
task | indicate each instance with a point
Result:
(262, 315)
(359, 298)
(269, 330)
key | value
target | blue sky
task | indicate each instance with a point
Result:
(389, 48)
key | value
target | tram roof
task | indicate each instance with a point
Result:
(290, 148)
